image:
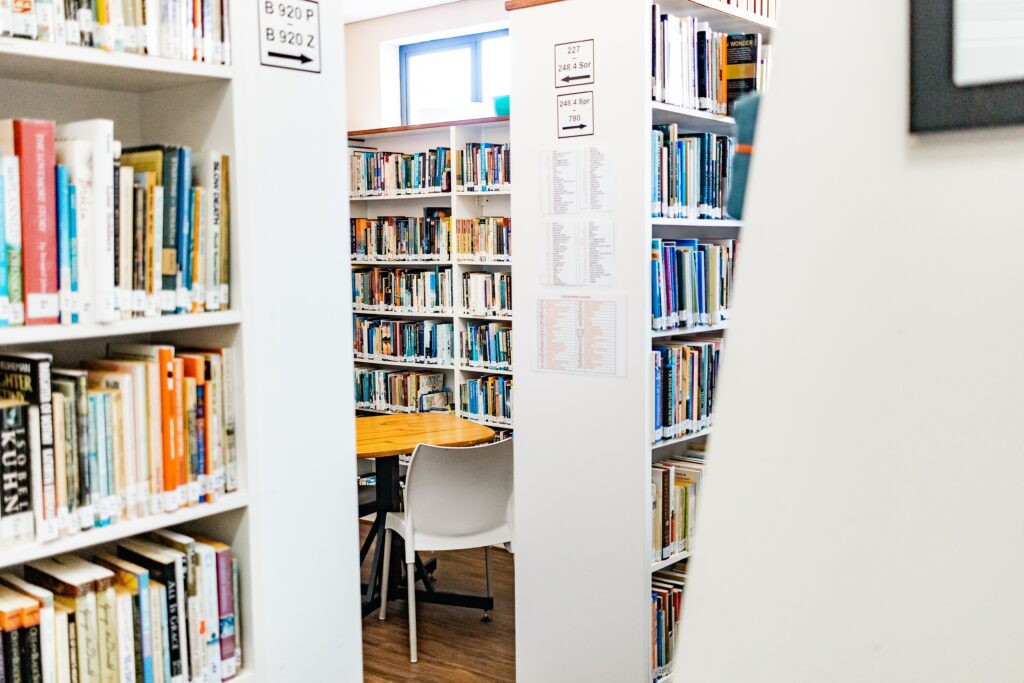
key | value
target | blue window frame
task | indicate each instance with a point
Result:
(472, 41)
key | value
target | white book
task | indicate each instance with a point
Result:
(15, 312)
(206, 28)
(116, 10)
(47, 643)
(157, 599)
(225, 30)
(125, 638)
(211, 610)
(62, 643)
(123, 295)
(5, 17)
(187, 31)
(44, 494)
(154, 253)
(207, 172)
(23, 19)
(99, 134)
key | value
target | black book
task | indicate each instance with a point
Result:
(741, 57)
(139, 239)
(31, 654)
(15, 470)
(26, 377)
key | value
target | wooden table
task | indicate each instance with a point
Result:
(385, 437)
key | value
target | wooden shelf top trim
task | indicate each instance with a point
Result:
(523, 4)
(425, 126)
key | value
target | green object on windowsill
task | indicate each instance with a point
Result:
(501, 105)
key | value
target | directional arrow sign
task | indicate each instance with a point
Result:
(574, 63)
(575, 114)
(290, 34)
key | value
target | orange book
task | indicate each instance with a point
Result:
(195, 368)
(180, 452)
(170, 435)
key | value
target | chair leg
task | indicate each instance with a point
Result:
(487, 577)
(411, 583)
(384, 582)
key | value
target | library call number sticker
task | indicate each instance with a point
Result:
(290, 34)
(575, 114)
(574, 63)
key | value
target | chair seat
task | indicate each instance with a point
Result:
(425, 541)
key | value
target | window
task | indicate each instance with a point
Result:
(454, 78)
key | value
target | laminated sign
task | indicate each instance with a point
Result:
(290, 34)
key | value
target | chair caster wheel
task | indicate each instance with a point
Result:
(486, 618)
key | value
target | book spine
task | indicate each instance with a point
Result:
(226, 610)
(73, 252)
(12, 654)
(34, 145)
(172, 209)
(183, 302)
(5, 313)
(11, 168)
(31, 655)
(64, 245)
(15, 518)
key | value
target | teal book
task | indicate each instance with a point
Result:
(5, 305)
(64, 244)
(76, 305)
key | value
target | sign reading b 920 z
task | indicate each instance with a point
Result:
(290, 34)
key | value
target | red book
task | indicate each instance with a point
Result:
(33, 143)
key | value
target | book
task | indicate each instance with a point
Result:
(399, 391)
(483, 167)
(486, 345)
(692, 282)
(133, 580)
(686, 386)
(226, 605)
(16, 519)
(483, 239)
(33, 141)
(401, 238)
(486, 294)
(487, 398)
(48, 646)
(11, 169)
(378, 173)
(74, 588)
(26, 377)
(742, 58)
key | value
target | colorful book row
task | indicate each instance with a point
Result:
(483, 167)
(147, 430)
(675, 485)
(484, 239)
(401, 238)
(403, 341)
(488, 397)
(667, 588)
(691, 283)
(698, 68)
(487, 345)
(401, 290)
(396, 391)
(691, 173)
(154, 609)
(487, 294)
(190, 30)
(375, 174)
(685, 376)
(91, 233)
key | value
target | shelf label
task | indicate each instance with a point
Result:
(290, 34)
(575, 114)
(574, 63)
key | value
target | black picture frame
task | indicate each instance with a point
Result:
(936, 103)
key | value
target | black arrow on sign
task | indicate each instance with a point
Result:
(568, 79)
(581, 126)
(281, 55)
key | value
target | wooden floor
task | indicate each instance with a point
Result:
(454, 645)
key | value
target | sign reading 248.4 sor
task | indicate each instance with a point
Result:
(290, 34)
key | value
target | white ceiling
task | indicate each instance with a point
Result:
(358, 10)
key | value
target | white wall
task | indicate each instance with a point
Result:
(298, 372)
(862, 514)
(371, 52)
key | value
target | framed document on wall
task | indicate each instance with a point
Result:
(966, 64)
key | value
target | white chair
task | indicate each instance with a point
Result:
(455, 499)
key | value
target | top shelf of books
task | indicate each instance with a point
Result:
(730, 17)
(30, 60)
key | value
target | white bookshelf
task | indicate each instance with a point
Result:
(463, 204)
(592, 432)
(266, 521)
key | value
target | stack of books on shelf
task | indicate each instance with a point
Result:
(163, 607)
(483, 239)
(403, 341)
(487, 345)
(685, 377)
(401, 290)
(145, 431)
(701, 69)
(488, 398)
(483, 167)
(400, 392)
(487, 294)
(401, 238)
(691, 283)
(92, 233)
(691, 173)
(190, 30)
(666, 614)
(384, 174)
(675, 486)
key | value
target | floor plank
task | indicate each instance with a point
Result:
(454, 645)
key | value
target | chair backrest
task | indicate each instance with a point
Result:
(460, 491)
